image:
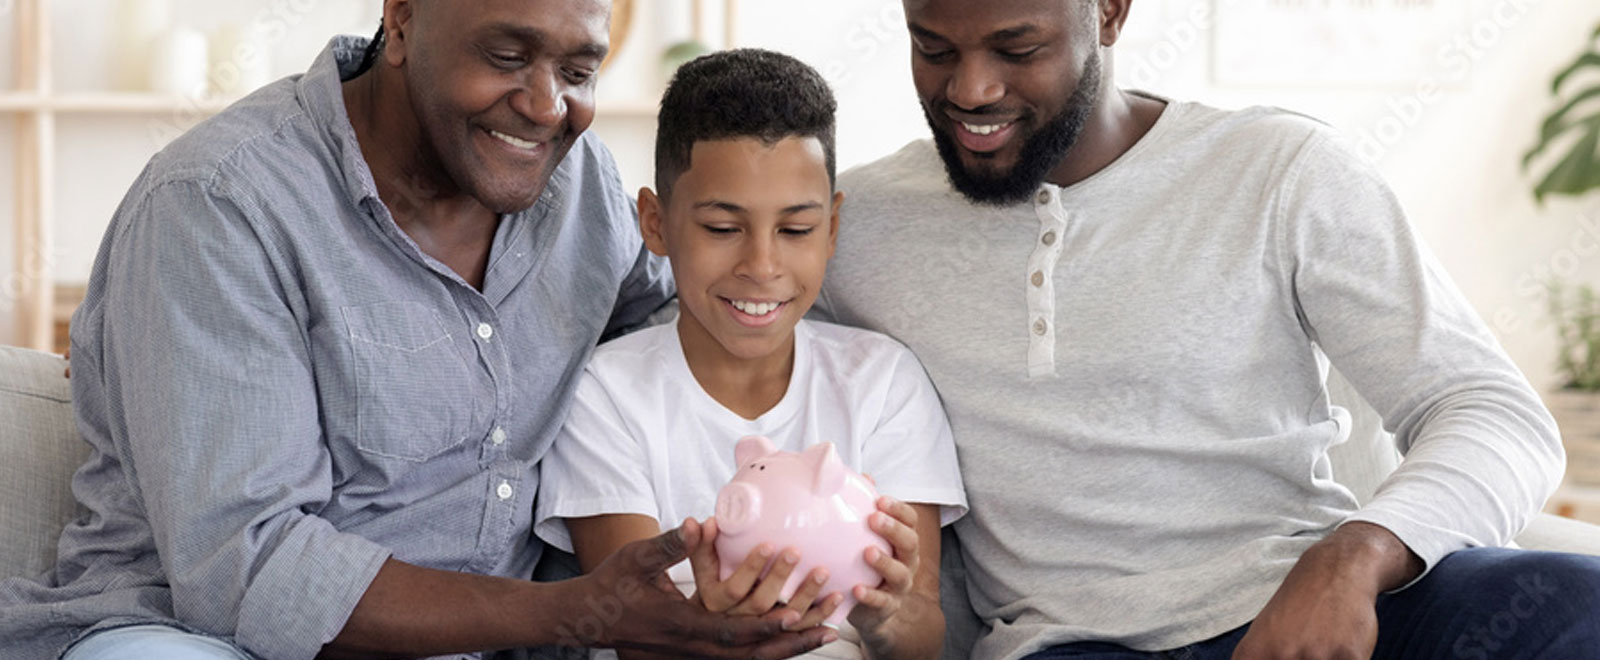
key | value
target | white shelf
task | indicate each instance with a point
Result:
(109, 103)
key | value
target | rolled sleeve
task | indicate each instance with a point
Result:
(214, 404)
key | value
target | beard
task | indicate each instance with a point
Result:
(1041, 151)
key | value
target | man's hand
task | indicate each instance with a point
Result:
(630, 603)
(746, 592)
(1325, 607)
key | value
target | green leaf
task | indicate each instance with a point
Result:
(1578, 172)
(1587, 59)
(1556, 123)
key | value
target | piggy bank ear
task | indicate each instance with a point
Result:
(829, 471)
(750, 448)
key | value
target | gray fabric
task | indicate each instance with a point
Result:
(1368, 455)
(1144, 431)
(38, 452)
(282, 390)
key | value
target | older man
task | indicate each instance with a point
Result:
(1128, 305)
(329, 335)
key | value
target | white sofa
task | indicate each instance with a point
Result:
(40, 450)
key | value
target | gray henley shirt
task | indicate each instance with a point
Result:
(1134, 370)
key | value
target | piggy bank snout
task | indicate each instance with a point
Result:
(738, 507)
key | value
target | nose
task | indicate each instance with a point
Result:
(974, 84)
(541, 100)
(759, 263)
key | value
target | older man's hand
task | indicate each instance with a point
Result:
(631, 604)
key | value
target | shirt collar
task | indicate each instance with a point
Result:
(322, 96)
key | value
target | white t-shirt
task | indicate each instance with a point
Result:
(644, 438)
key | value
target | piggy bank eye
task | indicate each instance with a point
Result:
(763, 467)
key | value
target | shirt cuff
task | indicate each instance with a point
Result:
(306, 590)
(1429, 542)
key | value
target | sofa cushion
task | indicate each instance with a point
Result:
(39, 451)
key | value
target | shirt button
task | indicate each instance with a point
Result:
(1039, 327)
(504, 491)
(485, 330)
(1044, 197)
(1049, 238)
(498, 437)
(1038, 278)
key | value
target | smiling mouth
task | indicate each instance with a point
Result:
(984, 129)
(755, 308)
(983, 139)
(755, 313)
(514, 141)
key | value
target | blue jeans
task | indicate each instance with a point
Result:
(1476, 604)
(148, 642)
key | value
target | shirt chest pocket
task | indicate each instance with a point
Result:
(413, 393)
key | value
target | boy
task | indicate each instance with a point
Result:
(748, 215)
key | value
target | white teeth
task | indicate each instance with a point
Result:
(514, 141)
(984, 129)
(754, 308)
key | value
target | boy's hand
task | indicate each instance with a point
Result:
(746, 593)
(879, 610)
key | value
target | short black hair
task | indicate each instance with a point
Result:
(747, 92)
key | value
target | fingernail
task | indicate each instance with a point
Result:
(764, 551)
(830, 637)
(791, 557)
(820, 578)
(873, 554)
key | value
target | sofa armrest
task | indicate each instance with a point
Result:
(39, 451)
(1556, 534)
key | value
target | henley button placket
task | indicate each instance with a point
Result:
(1039, 282)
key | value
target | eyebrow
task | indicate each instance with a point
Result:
(539, 37)
(731, 207)
(998, 36)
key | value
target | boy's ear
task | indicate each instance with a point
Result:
(650, 222)
(833, 222)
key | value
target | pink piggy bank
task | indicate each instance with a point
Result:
(809, 501)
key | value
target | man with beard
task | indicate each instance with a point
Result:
(328, 336)
(1128, 305)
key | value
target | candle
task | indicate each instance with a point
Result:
(239, 61)
(178, 65)
(139, 23)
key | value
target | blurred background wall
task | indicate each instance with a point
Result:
(1444, 96)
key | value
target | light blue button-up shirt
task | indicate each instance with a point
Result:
(282, 390)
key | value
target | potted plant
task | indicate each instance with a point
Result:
(1575, 311)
